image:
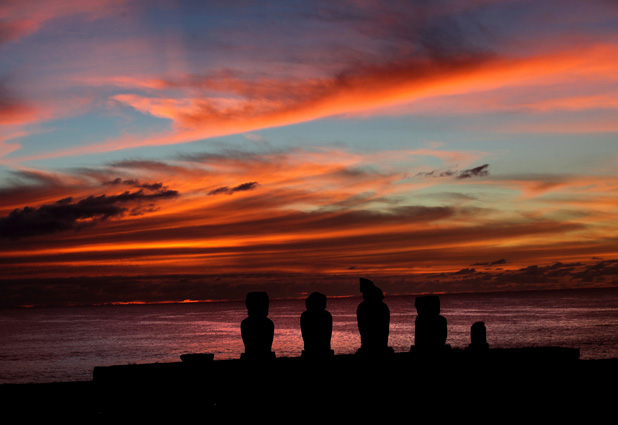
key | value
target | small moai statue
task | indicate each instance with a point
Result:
(257, 329)
(478, 337)
(373, 318)
(316, 325)
(430, 328)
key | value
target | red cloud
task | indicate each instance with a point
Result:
(22, 18)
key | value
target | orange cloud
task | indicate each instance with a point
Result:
(324, 211)
(15, 112)
(312, 212)
(243, 106)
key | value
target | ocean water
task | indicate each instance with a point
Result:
(65, 344)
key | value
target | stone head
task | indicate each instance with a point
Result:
(257, 304)
(427, 305)
(316, 301)
(370, 292)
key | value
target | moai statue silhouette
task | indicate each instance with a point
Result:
(478, 337)
(257, 329)
(430, 328)
(373, 318)
(316, 325)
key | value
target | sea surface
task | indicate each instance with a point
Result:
(65, 344)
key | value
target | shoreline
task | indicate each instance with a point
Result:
(592, 363)
(341, 384)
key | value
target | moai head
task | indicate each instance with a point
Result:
(428, 305)
(257, 304)
(478, 334)
(370, 292)
(316, 301)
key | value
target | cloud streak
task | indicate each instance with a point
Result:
(231, 190)
(418, 58)
(480, 171)
(69, 214)
(314, 213)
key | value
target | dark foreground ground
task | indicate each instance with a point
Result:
(531, 384)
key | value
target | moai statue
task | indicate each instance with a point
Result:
(316, 325)
(478, 337)
(257, 329)
(429, 327)
(373, 317)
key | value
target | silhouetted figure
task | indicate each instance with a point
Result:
(478, 337)
(257, 329)
(429, 327)
(316, 325)
(373, 317)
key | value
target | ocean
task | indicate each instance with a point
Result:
(41, 345)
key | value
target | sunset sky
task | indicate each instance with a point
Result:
(167, 150)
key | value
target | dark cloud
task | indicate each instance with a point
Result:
(491, 263)
(474, 172)
(152, 186)
(556, 275)
(69, 214)
(480, 171)
(233, 286)
(465, 271)
(435, 173)
(598, 272)
(116, 181)
(229, 191)
(135, 183)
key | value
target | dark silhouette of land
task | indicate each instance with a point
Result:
(431, 383)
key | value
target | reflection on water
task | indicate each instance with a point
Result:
(45, 345)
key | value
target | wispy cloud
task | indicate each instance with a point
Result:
(416, 58)
(480, 171)
(230, 190)
(70, 214)
(312, 212)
